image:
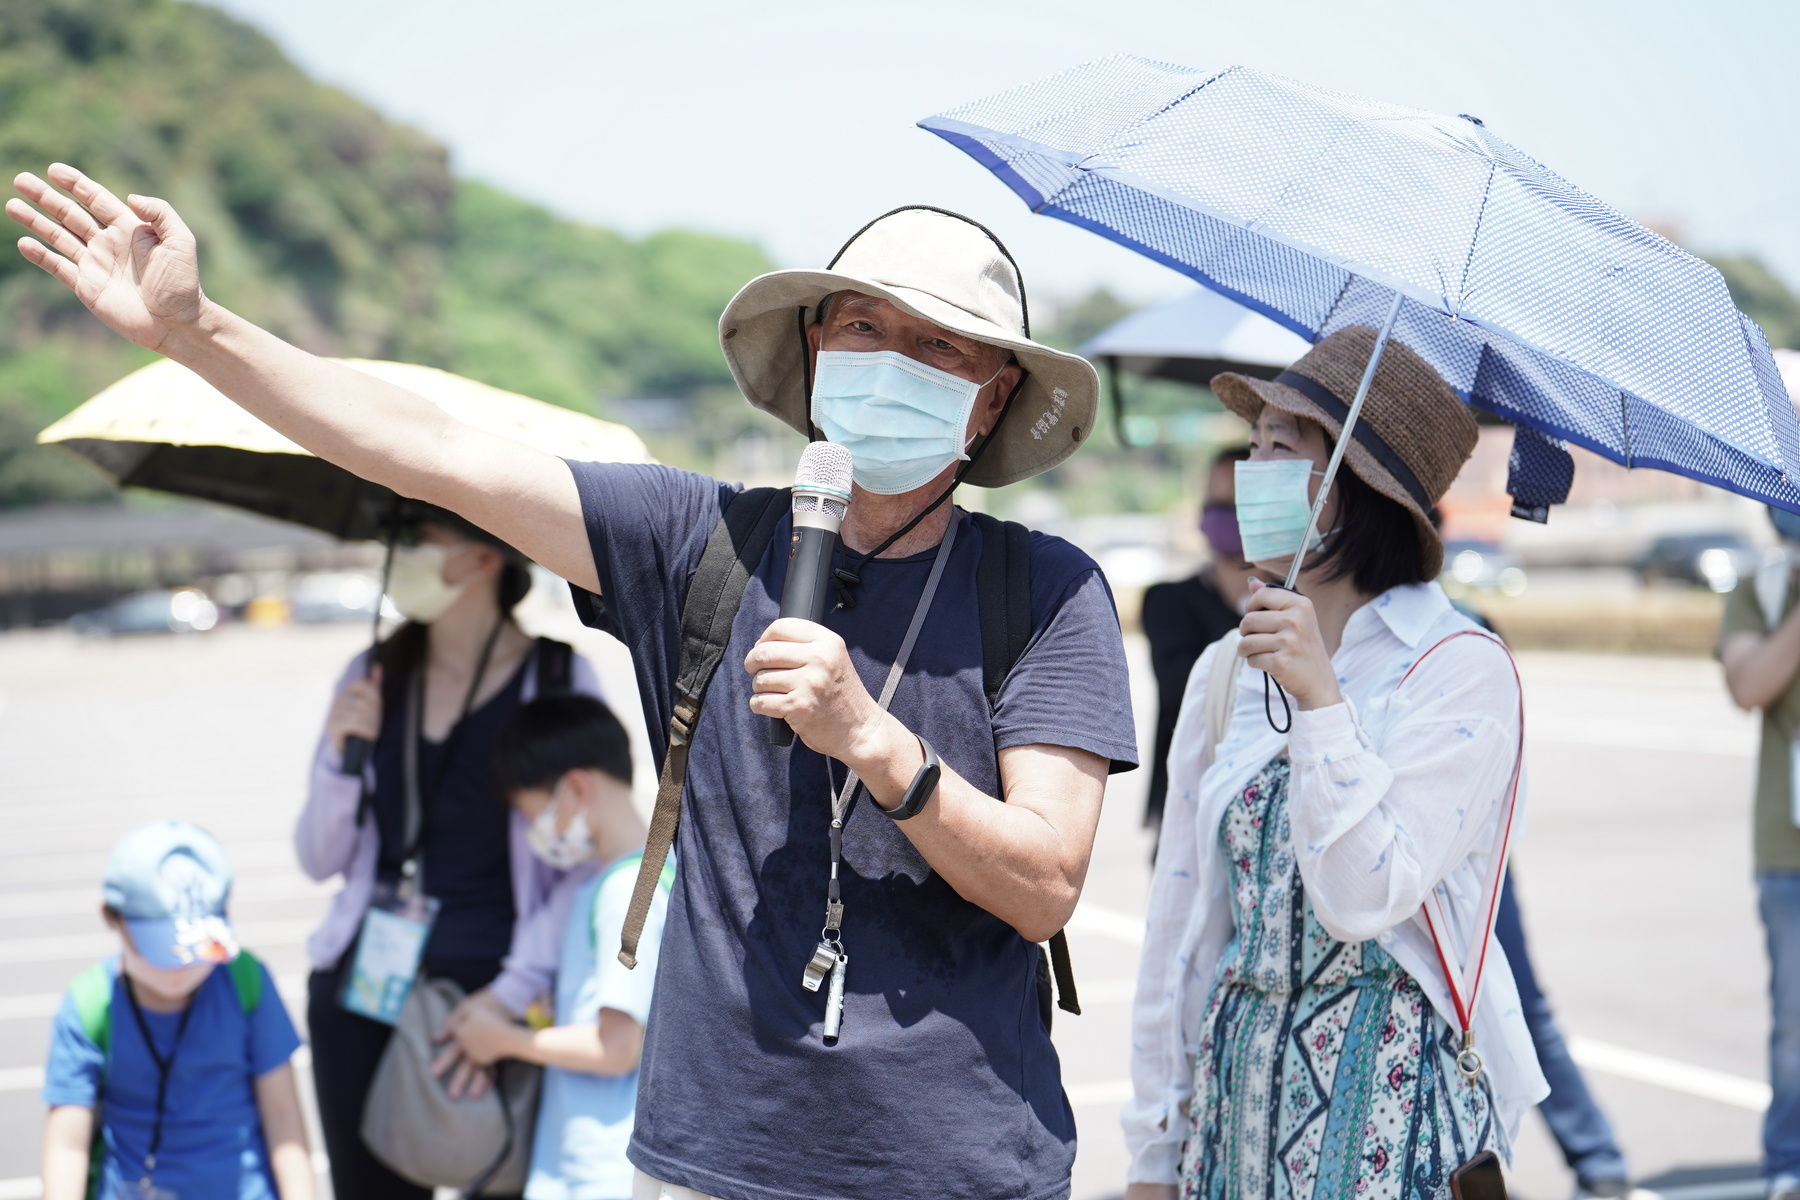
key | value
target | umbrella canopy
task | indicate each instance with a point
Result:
(1321, 210)
(1193, 338)
(164, 427)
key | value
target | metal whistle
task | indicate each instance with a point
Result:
(824, 958)
(834, 1001)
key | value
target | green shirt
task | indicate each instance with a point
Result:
(1777, 840)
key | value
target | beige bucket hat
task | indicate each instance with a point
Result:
(1412, 437)
(939, 267)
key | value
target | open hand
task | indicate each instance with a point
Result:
(133, 263)
(803, 674)
(1281, 636)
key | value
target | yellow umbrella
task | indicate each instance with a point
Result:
(164, 427)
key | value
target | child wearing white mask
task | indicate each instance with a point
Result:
(564, 762)
(169, 1071)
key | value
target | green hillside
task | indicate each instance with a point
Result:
(342, 231)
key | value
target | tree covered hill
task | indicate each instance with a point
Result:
(340, 230)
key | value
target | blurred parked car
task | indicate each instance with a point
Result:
(1473, 566)
(334, 596)
(185, 610)
(1715, 560)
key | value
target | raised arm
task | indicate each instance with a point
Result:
(134, 264)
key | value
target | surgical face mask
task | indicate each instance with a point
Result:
(416, 583)
(902, 421)
(174, 983)
(1273, 508)
(560, 851)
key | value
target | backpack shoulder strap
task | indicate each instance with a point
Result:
(1003, 595)
(246, 980)
(736, 546)
(555, 666)
(92, 992)
(1003, 592)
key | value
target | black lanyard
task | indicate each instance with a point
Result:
(164, 1067)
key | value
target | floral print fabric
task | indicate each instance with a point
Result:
(1322, 1073)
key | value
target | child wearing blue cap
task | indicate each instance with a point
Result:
(565, 763)
(169, 1074)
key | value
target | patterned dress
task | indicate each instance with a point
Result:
(1323, 1072)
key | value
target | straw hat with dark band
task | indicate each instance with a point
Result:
(1412, 437)
(939, 267)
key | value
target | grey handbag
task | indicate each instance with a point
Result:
(482, 1147)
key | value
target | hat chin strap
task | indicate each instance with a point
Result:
(845, 579)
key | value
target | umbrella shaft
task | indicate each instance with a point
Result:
(1343, 441)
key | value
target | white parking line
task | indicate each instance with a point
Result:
(79, 947)
(1621, 1061)
(41, 1006)
(1640, 1067)
(79, 901)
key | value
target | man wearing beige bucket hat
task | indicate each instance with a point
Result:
(1294, 892)
(969, 838)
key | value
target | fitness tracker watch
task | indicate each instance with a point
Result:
(922, 788)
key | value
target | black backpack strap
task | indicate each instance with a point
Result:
(732, 552)
(1003, 593)
(555, 666)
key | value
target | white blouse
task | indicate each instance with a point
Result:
(1393, 792)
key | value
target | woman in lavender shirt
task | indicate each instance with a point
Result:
(500, 909)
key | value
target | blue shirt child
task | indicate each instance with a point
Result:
(584, 1121)
(212, 1139)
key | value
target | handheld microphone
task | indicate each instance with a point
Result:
(821, 498)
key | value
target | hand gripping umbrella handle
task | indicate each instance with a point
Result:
(356, 754)
(356, 749)
(1331, 470)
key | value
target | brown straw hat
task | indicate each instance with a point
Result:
(1414, 433)
(943, 268)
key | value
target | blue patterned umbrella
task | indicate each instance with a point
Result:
(1533, 299)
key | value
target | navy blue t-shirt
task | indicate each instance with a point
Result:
(944, 1083)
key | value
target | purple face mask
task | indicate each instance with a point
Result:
(1218, 525)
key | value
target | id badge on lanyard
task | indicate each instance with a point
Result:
(388, 950)
(395, 929)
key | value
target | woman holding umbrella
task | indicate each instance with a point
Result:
(422, 819)
(1300, 1024)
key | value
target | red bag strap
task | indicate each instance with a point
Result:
(1468, 1061)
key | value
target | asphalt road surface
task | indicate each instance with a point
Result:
(1634, 871)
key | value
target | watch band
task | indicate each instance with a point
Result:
(922, 788)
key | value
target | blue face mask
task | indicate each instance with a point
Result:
(902, 421)
(1273, 508)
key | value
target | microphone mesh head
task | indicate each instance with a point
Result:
(824, 465)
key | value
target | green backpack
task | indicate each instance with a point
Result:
(92, 992)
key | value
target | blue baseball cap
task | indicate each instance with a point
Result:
(170, 883)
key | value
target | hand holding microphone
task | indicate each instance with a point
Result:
(821, 498)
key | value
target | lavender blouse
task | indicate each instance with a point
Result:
(330, 841)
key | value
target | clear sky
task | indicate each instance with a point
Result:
(791, 121)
